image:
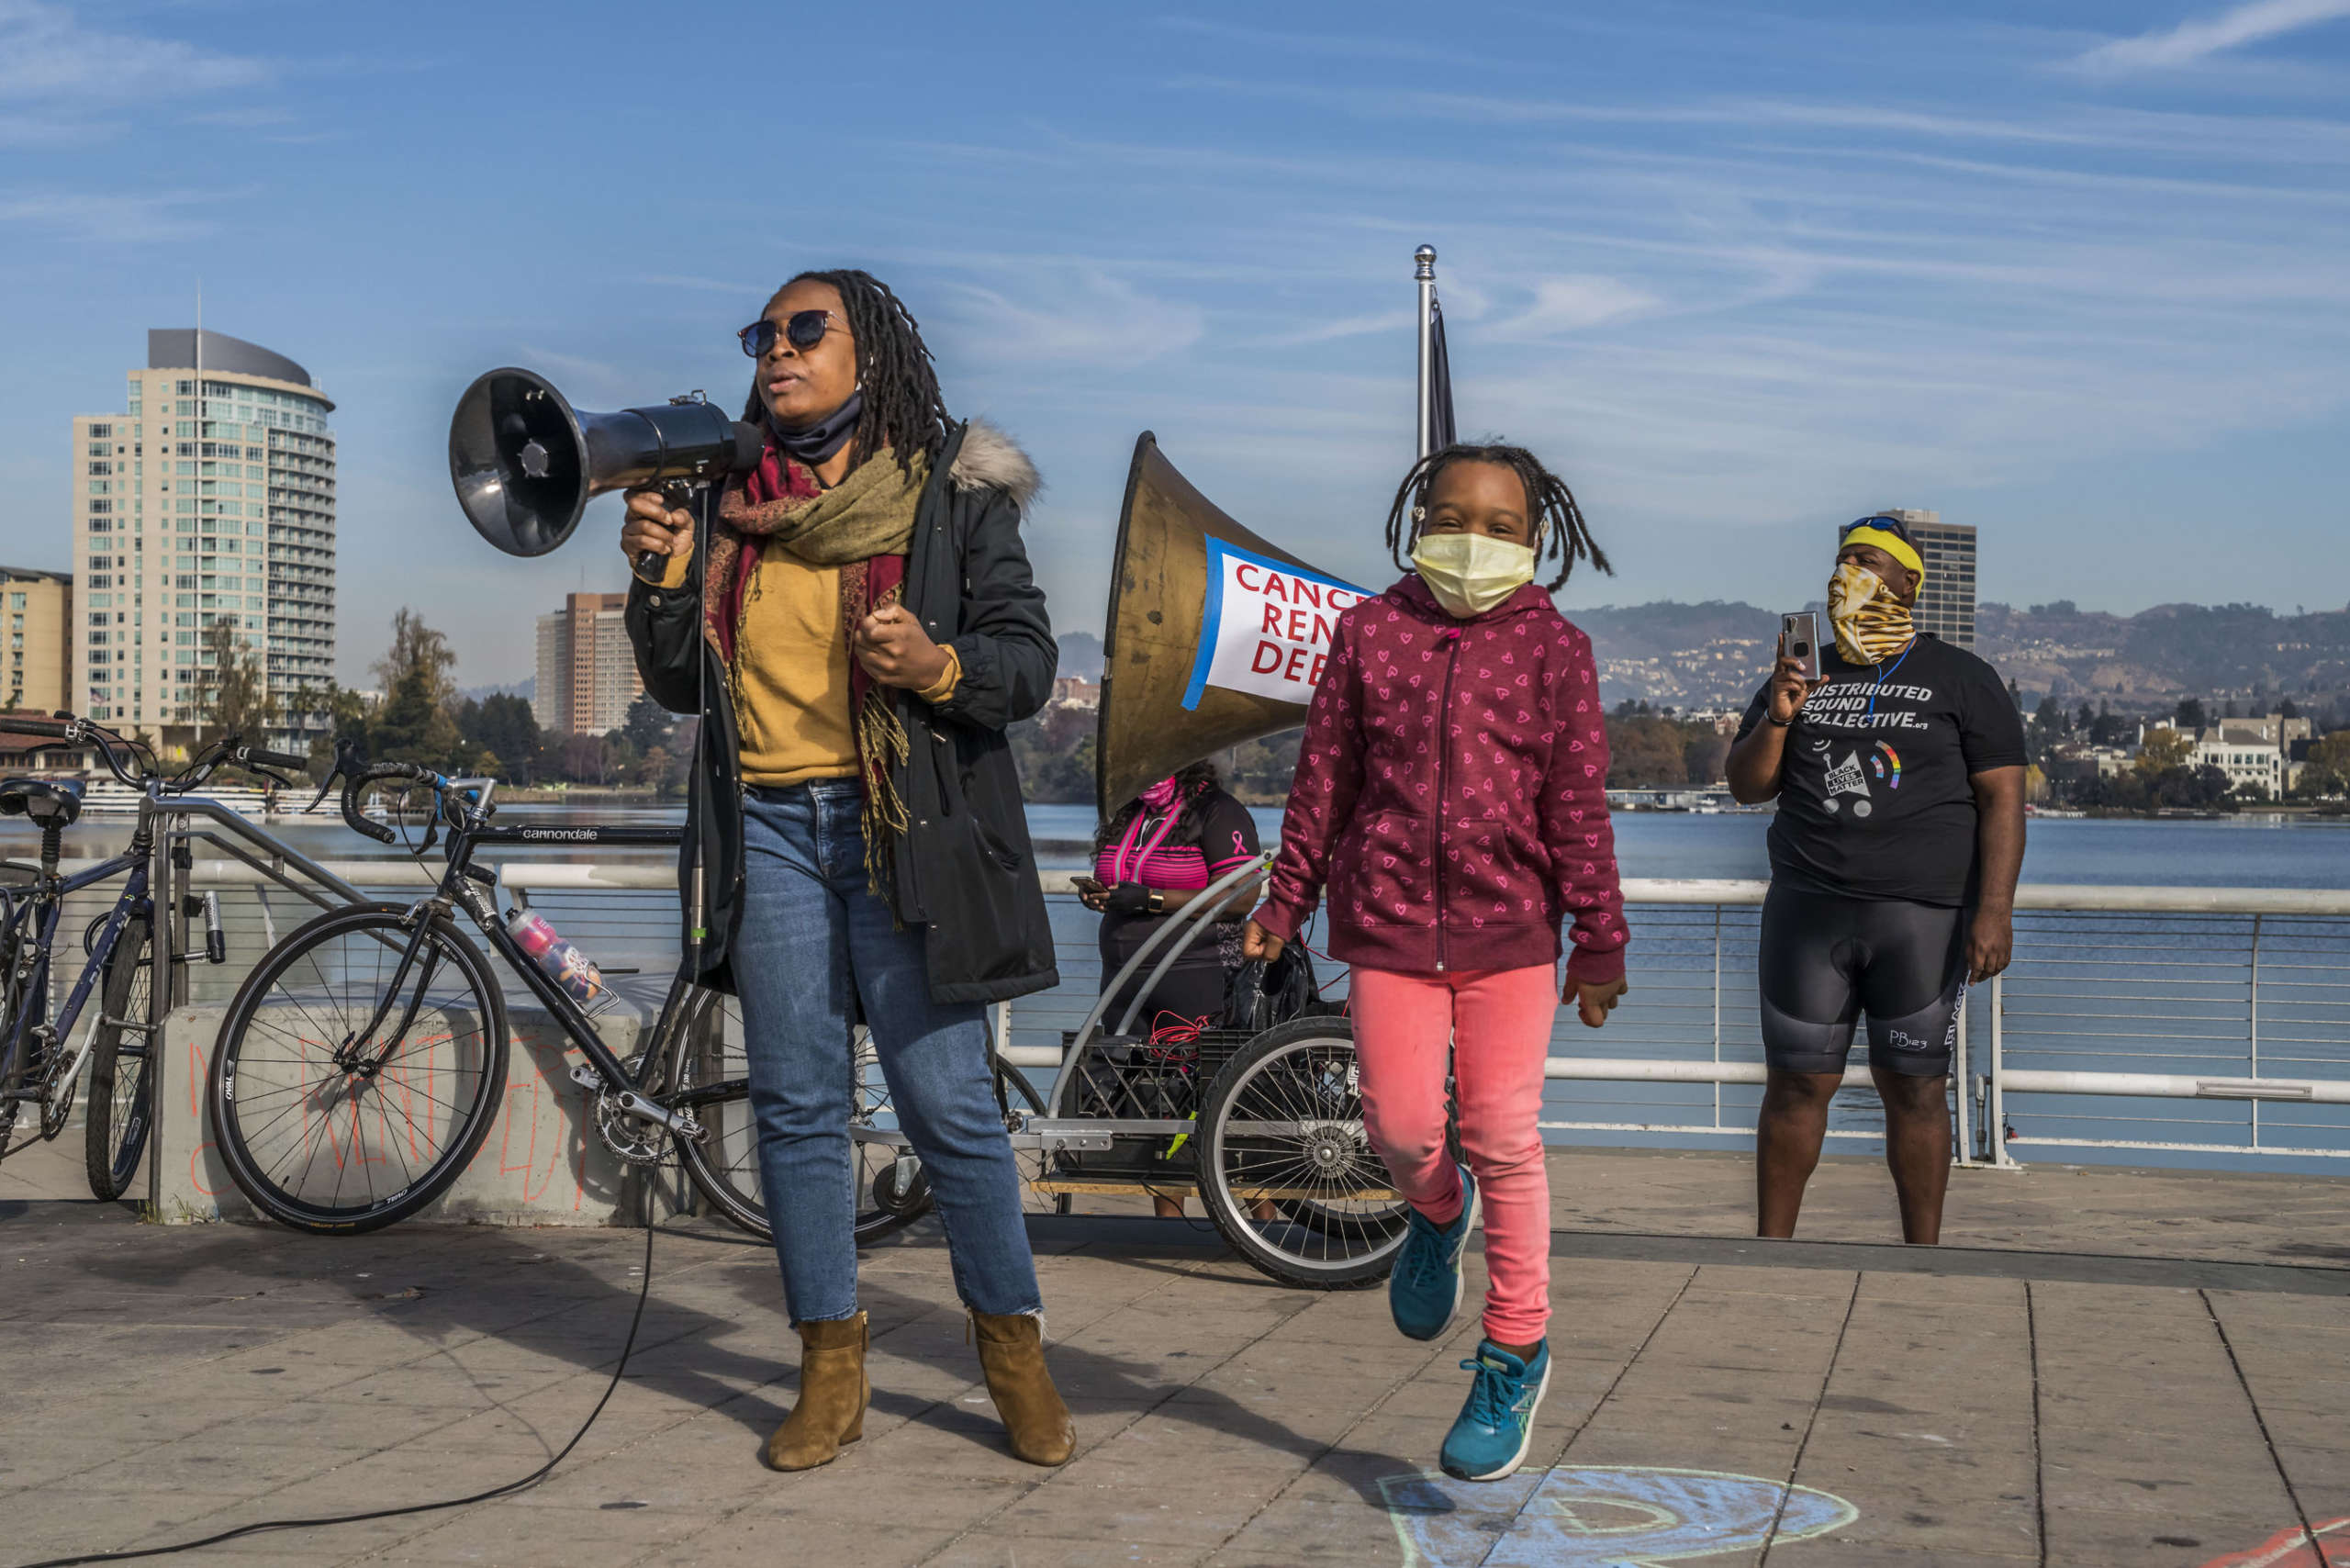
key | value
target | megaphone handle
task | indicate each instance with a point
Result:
(651, 563)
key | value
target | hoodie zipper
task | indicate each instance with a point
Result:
(1443, 787)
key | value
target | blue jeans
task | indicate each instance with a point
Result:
(810, 931)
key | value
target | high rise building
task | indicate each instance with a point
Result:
(586, 670)
(1946, 604)
(36, 619)
(209, 501)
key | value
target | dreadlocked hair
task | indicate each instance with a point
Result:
(1561, 532)
(903, 410)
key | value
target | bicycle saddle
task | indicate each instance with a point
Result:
(42, 801)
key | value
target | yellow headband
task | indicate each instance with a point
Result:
(1885, 539)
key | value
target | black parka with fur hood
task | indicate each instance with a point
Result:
(967, 872)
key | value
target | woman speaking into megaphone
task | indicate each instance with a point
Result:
(864, 628)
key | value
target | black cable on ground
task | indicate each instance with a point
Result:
(524, 1485)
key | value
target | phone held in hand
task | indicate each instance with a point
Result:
(1800, 639)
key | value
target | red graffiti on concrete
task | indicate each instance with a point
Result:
(2296, 1548)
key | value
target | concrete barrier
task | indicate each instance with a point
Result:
(541, 1163)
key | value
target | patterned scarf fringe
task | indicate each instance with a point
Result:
(881, 744)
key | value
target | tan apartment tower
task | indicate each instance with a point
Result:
(36, 661)
(211, 499)
(1946, 604)
(586, 670)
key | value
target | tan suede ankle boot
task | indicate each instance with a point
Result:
(1012, 1352)
(833, 1395)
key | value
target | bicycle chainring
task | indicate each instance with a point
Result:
(56, 1110)
(631, 1140)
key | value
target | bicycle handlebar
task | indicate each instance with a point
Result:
(353, 783)
(259, 756)
(79, 732)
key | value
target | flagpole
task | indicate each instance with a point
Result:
(1425, 259)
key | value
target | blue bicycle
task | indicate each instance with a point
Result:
(40, 1071)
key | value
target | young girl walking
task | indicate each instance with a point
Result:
(1450, 794)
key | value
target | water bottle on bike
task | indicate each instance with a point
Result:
(558, 959)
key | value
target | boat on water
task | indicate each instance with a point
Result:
(113, 799)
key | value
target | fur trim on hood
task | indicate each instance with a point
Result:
(990, 458)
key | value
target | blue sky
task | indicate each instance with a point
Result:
(2074, 273)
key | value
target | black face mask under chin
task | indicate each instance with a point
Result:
(813, 444)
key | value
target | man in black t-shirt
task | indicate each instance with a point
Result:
(1894, 858)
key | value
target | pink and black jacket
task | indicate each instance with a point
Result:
(1450, 793)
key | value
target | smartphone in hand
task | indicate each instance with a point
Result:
(1799, 640)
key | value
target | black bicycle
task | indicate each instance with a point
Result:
(363, 1061)
(41, 1070)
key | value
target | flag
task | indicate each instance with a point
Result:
(1441, 432)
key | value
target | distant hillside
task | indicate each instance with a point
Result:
(2159, 656)
(1714, 655)
(1684, 655)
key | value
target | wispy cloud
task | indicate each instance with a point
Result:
(1090, 318)
(705, 285)
(1569, 304)
(48, 52)
(110, 217)
(2190, 42)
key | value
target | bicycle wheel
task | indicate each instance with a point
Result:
(893, 1189)
(123, 1059)
(24, 1005)
(328, 1145)
(1283, 1121)
(713, 1086)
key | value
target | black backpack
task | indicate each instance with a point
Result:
(1259, 995)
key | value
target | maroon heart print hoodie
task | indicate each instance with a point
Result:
(1451, 794)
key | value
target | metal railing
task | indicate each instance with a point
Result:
(2200, 1021)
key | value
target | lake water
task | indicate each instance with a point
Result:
(2106, 994)
(2250, 852)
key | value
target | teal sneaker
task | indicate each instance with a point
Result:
(1490, 1438)
(1423, 1290)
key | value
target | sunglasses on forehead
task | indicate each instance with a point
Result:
(801, 329)
(1892, 525)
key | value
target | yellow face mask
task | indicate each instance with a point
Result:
(1871, 624)
(1470, 573)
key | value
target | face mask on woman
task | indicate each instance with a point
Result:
(1470, 573)
(1871, 624)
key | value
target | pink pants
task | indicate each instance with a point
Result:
(1493, 1027)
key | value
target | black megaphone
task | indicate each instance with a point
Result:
(526, 464)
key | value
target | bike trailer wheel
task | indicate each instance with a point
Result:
(1281, 1125)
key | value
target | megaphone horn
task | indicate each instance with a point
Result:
(526, 464)
(1161, 707)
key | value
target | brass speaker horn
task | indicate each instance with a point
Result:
(525, 463)
(1161, 707)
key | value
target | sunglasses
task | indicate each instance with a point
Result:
(801, 329)
(1892, 525)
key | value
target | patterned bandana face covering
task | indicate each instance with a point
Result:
(1871, 625)
(1470, 573)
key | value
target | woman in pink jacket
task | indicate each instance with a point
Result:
(1451, 795)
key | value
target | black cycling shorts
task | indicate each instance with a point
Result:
(1825, 960)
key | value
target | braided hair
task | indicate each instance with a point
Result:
(1561, 532)
(903, 410)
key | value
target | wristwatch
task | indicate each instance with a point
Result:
(1158, 901)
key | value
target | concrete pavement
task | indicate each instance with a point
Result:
(2103, 1367)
